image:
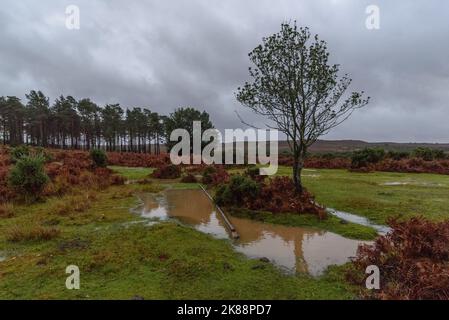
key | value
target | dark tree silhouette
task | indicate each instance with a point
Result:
(183, 118)
(296, 88)
(69, 123)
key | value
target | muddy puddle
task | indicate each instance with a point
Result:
(359, 220)
(293, 249)
(412, 183)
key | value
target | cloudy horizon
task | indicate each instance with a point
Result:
(165, 55)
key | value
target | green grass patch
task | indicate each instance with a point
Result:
(183, 186)
(372, 194)
(132, 173)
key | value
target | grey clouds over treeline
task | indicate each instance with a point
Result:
(168, 54)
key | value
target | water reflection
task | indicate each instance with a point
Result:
(295, 249)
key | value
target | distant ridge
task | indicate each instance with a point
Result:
(351, 145)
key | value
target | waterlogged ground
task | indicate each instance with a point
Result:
(122, 256)
(293, 249)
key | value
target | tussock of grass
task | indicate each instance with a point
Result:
(122, 194)
(73, 204)
(6, 210)
(32, 233)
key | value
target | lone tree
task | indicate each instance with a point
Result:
(296, 88)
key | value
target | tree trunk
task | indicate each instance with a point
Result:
(298, 164)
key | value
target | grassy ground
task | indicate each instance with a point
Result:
(121, 259)
(144, 173)
(119, 256)
(368, 194)
(132, 173)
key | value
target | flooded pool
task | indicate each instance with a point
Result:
(412, 183)
(293, 249)
(382, 230)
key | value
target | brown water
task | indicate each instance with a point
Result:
(294, 249)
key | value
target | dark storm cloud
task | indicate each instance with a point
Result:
(166, 54)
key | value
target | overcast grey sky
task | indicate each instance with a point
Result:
(172, 53)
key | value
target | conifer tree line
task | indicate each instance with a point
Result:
(81, 124)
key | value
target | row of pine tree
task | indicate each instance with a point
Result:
(79, 124)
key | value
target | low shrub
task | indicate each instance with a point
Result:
(367, 156)
(6, 193)
(278, 196)
(207, 174)
(42, 152)
(169, 171)
(413, 260)
(397, 155)
(254, 173)
(214, 175)
(131, 159)
(28, 176)
(189, 178)
(116, 180)
(196, 168)
(428, 154)
(319, 162)
(99, 158)
(323, 163)
(238, 191)
(5, 160)
(19, 152)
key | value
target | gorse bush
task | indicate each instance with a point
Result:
(428, 154)
(19, 152)
(208, 172)
(189, 178)
(169, 171)
(40, 151)
(215, 175)
(275, 195)
(22, 151)
(240, 189)
(28, 176)
(254, 173)
(367, 156)
(99, 158)
(398, 155)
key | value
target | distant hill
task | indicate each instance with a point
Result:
(323, 146)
